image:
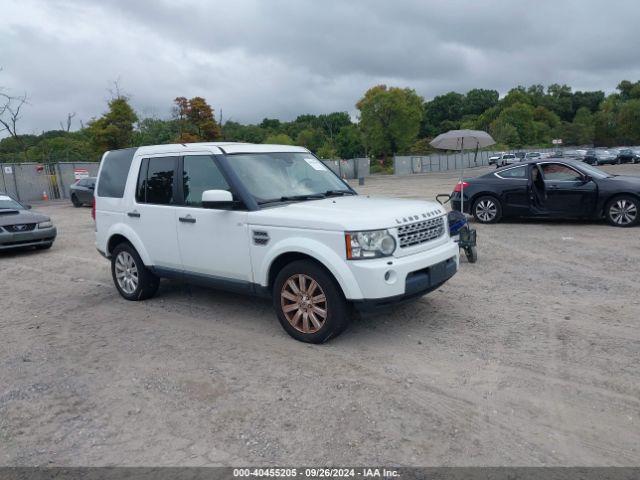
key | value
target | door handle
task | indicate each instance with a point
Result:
(187, 219)
(134, 214)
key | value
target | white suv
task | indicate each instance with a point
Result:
(267, 220)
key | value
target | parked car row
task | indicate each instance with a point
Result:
(593, 156)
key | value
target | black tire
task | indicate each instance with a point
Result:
(335, 306)
(481, 214)
(623, 211)
(76, 203)
(472, 254)
(44, 246)
(147, 283)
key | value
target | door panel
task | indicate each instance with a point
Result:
(513, 185)
(153, 215)
(567, 194)
(516, 197)
(214, 244)
(570, 198)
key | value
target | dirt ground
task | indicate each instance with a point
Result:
(529, 357)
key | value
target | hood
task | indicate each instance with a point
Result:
(629, 181)
(15, 217)
(354, 212)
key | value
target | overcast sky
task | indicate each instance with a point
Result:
(281, 58)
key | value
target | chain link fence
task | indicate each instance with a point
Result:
(440, 162)
(30, 182)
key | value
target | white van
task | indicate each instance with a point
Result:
(268, 220)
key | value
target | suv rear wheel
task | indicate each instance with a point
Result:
(133, 280)
(309, 303)
(74, 199)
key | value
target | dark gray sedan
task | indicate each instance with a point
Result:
(81, 192)
(20, 227)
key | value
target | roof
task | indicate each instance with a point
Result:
(528, 161)
(219, 147)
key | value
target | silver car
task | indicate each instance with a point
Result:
(21, 227)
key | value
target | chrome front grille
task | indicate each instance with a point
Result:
(25, 227)
(420, 232)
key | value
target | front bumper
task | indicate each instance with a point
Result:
(387, 281)
(33, 238)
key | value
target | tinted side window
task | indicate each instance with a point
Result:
(558, 172)
(115, 169)
(518, 172)
(158, 183)
(200, 174)
(141, 192)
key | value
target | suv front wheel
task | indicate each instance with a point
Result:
(309, 303)
(133, 280)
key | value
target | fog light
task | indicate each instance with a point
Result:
(390, 276)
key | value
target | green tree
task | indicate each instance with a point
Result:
(327, 151)
(349, 142)
(331, 123)
(478, 100)
(236, 132)
(629, 122)
(279, 139)
(311, 138)
(505, 133)
(520, 117)
(115, 128)
(443, 108)
(389, 119)
(154, 131)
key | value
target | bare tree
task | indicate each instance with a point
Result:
(117, 91)
(68, 123)
(10, 107)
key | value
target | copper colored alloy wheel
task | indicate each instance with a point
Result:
(303, 303)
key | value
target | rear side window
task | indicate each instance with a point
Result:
(114, 173)
(156, 180)
(518, 172)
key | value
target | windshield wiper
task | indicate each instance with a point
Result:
(330, 193)
(294, 198)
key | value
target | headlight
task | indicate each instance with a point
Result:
(371, 244)
(46, 224)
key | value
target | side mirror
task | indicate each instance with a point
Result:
(28, 207)
(586, 179)
(218, 199)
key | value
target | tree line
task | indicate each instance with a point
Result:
(391, 120)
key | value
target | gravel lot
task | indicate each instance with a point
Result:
(529, 357)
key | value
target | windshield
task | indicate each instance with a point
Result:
(271, 177)
(8, 203)
(595, 172)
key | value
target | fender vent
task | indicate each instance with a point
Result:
(260, 237)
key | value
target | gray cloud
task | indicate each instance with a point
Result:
(281, 58)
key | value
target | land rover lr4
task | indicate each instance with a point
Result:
(267, 220)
